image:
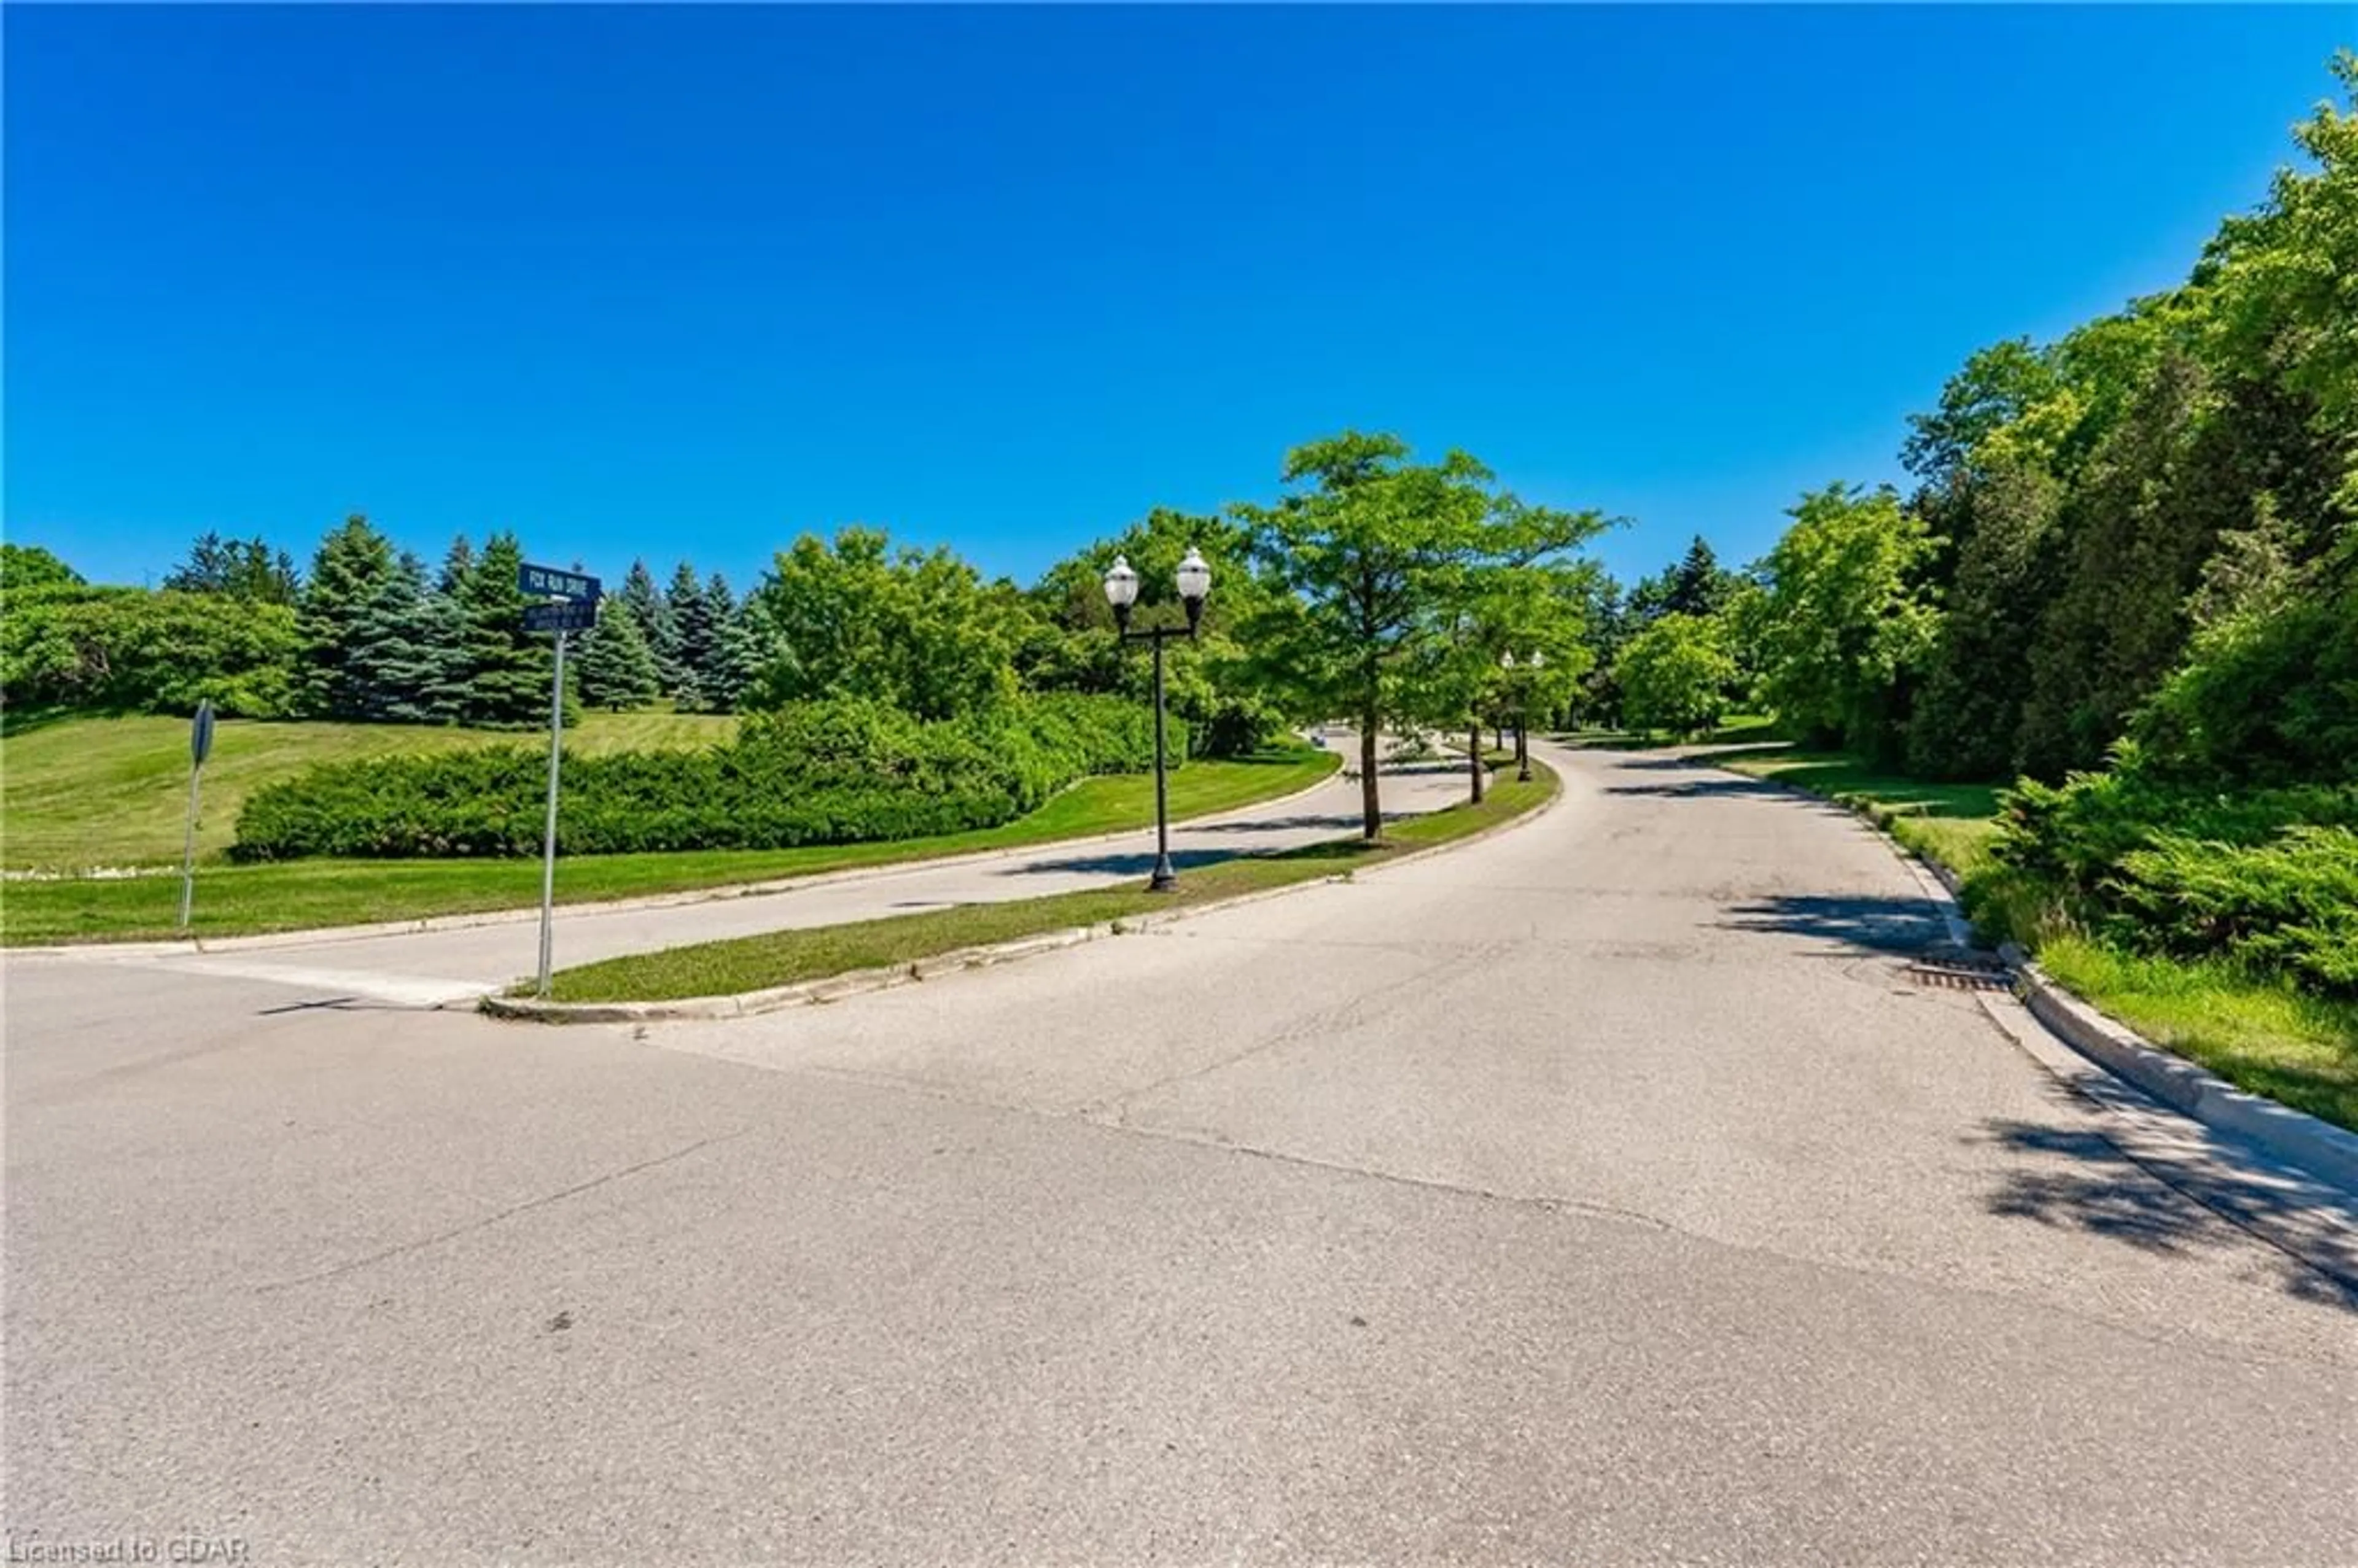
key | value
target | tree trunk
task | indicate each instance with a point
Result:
(1371, 805)
(1473, 760)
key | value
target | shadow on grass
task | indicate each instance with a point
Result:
(1869, 923)
(1836, 777)
(2076, 1179)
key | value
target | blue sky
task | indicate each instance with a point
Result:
(689, 282)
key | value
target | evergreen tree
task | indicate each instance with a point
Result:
(240, 568)
(741, 647)
(507, 668)
(692, 622)
(392, 648)
(353, 567)
(615, 668)
(443, 620)
(645, 600)
(458, 565)
(1698, 585)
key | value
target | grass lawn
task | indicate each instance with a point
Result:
(114, 792)
(1948, 823)
(2299, 1050)
(296, 894)
(786, 957)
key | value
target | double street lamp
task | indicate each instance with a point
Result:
(1195, 581)
(1522, 690)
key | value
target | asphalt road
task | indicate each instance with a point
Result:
(1601, 1191)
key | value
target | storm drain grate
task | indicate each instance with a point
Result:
(1961, 974)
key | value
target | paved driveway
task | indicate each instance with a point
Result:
(1603, 1192)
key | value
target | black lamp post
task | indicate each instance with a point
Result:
(1522, 688)
(1121, 592)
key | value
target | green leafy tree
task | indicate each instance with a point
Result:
(1374, 563)
(615, 668)
(856, 617)
(1675, 675)
(2280, 280)
(29, 568)
(127, 650)
(1364, 560)
(1847, 626)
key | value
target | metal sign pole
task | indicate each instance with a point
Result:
(549, 841)
(200, 746)
(188, 848)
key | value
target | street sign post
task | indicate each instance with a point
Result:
(574, 610)
(200, 746)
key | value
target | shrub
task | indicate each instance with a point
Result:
(821, 772)
(2266, 878)
(2289, 904)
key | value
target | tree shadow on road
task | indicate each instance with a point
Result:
(2077, 1179)
(1709, 785)
(1869, 923)
(1341, 822)
(1128, 863)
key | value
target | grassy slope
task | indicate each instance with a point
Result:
(2300, 1050)
(234, 900)
(114, 792)
(786, 957)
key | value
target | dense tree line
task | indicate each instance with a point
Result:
(2127, 573)
(369, 633)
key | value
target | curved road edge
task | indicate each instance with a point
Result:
(2313, 1145)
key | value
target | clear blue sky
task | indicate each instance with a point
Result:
(692, 281)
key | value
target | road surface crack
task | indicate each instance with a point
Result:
(506, 1214)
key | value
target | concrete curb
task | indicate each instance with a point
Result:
(2324, 1150)
(859, 982)
(2293, 1137)
(325, 935)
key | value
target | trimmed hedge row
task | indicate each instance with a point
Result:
(818, 772)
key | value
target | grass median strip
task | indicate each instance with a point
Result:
(790, 957)
(300, 894)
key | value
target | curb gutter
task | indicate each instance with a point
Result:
(859, 982)
(2294, 1137)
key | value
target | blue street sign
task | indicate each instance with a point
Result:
(548, 582)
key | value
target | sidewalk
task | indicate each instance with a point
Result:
(428, 968)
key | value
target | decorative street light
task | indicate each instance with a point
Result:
(1537, 662)
(1195, 579)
